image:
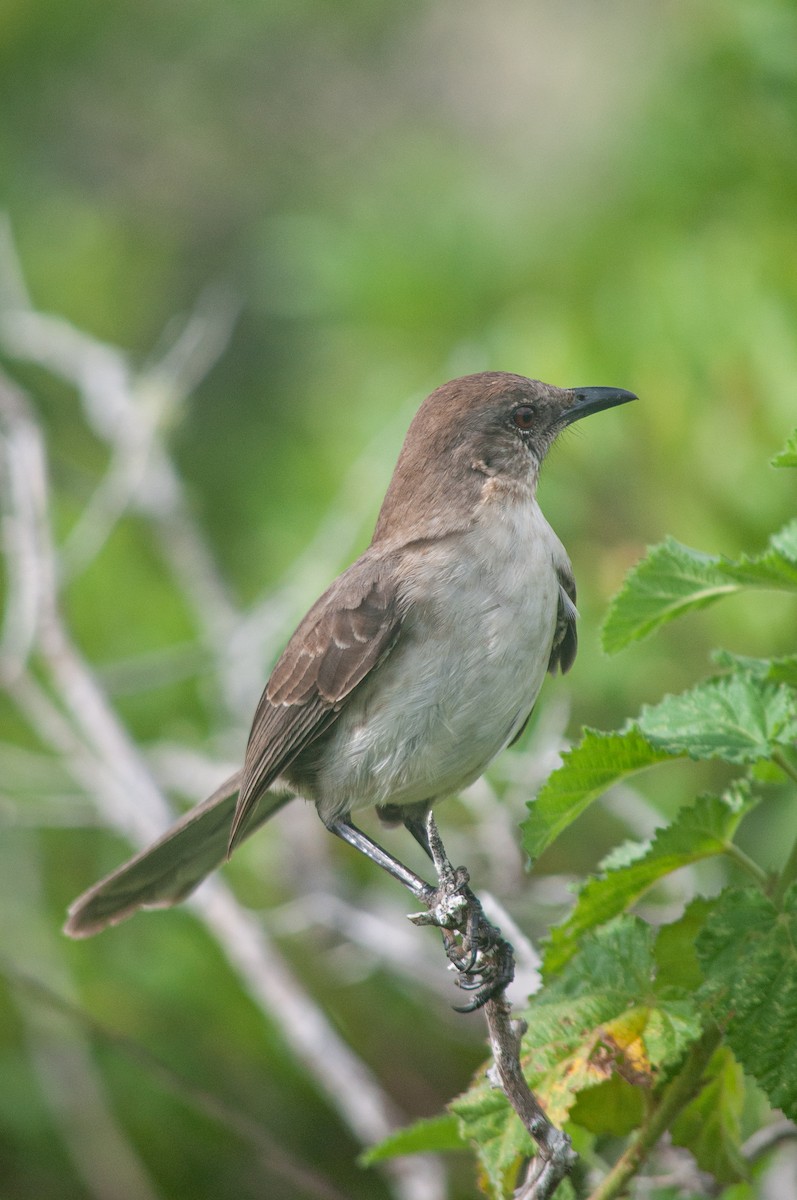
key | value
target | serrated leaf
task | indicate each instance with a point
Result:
(784, 542)
(617, 958)
(710, 1125)
(615, 971)
(603, 1017)
(670, 580)
(698, 831)
(748, 955)
(499, 1140)
(740, 718)
(776, 670)
(573, 1044)
(422, 1137)
(775, 568)
(597, 762)
(787, 457)
(673, 579)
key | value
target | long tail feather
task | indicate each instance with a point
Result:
(169, 870)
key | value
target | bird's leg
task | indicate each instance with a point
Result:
(344, 829)
(417, 827)
(482, 958)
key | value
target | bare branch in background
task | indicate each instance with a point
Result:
(379, 929)
(129, 413)
(71, 714)
(25, 536)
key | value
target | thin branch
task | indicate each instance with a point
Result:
(386, 941)
(787, 767)
(200, 342)
(485, 964)
(748, 865)
(763, 1140)
(556, 1156)
(30, 565)
(129, 412)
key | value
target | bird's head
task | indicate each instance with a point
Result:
(492, 424)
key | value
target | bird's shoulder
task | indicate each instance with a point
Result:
(342, 637)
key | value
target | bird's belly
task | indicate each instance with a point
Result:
(451, 695)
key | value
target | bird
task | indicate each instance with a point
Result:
(417, 666)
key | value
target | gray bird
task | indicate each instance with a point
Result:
(418, 665)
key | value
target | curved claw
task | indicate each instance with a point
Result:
(482, 996)
(466, 965)
(470, 985)
(491, 978)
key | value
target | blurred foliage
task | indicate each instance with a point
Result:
(396, 194)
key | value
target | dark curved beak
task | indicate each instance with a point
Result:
(594, 399)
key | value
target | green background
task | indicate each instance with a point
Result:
(386, 195)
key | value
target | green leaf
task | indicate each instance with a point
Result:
(710, 1125)
(676, 957)
(738, 717)
(698, 831)
(597, 762)
(775, 568)
(674, 579)
(607, 1014)
(671, 580)
(499, 1140)
(617, 958)
(604, 1017)
(784, 670)
(615, 1107)
(776, 670)
(748, 954)
(787, 457)
(434, 1134)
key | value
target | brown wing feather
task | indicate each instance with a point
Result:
(565, 641)
(343, 637)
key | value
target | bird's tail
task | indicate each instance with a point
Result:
(169, 870)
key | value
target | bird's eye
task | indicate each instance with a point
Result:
(523, 417)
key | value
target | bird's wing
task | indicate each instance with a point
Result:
(168, 870)
(344, 636)
(565, 639)
(341, 639)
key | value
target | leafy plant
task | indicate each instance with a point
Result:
(639, 1030)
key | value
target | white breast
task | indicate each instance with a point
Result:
(464, 676)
